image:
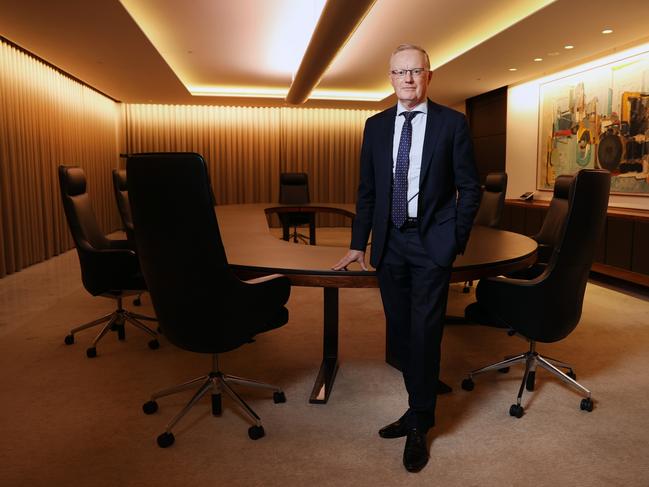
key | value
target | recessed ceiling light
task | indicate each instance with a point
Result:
(538, 59)
(607, 31)
(568, 46)
(513, 69)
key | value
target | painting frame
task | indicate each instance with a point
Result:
(597, 118)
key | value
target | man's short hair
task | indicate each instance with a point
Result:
(413, 47)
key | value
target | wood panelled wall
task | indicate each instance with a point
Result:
(246, 148)
(487, 117)
(48, 119)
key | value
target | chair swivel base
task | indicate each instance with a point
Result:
(297, 237)
(215, 382)
(532, 359)
(115, 322)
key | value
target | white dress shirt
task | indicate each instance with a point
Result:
(416, 150)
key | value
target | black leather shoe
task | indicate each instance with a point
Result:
(397, 429)
(415, 454)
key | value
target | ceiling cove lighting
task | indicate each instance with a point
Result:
(337, 23)
(256, 92)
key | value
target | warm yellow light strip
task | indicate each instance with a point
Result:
(256, 92)
(349, 95)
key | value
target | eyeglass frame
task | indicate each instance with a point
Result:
(414, 72)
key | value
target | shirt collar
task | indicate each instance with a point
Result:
(422, 107)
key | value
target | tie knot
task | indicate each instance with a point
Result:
(409, 115)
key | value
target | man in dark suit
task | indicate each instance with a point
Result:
(418, 195)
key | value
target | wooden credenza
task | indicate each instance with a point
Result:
(622, 251)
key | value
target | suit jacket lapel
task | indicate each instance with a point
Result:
(387, 141)
(433, 121)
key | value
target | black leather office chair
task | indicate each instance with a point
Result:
(123, 206)
(548, 307)
(551, 229)
(124, 209)
(492, 204)
(202, 306)
(294, 190)
(553, 223)
(109, 268)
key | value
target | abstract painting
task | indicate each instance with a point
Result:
(597, 118)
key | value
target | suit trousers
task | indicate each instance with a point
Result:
(414, 292)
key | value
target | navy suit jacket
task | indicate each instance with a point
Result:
(449, 188)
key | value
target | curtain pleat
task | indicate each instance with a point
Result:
(246, 148)
(48, 119)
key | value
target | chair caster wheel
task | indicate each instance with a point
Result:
(529, 383)
(69, 339)
(279, 397)
(516, 411)
(150, 407)
(256, 432)
(91, 352)
(154, 344)
(571, 374)
(586, 404)
(468, 384)
(121, 332)
(137, 302)
(165, 440)
(504, 370)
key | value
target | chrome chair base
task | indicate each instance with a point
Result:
(215, 383)
(532, 359)
(115, 321)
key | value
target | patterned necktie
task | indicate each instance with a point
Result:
(400, 185)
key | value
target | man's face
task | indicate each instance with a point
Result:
(410, 90)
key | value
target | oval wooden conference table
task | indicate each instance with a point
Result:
(252, 251)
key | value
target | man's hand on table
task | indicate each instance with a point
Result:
(350, 257)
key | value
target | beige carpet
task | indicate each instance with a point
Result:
(66, 420)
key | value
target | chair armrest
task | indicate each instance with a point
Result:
(259, 280)
(113, 261)
(118, 244)
(274, 289)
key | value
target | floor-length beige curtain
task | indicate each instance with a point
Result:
(246, 148)
(47, 119)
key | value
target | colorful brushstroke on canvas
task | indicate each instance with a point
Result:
(597, 119)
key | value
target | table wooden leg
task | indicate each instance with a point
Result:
(329, 366)
(312, 228)
(285, 230)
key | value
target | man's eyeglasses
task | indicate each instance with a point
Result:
(415, 72)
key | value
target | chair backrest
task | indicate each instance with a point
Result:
(492, 202)
(549, 307)
(555, 218)
(82, 221)
(293, 188)
(123, 206)
(196, 296)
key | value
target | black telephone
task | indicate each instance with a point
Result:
(527, 196)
